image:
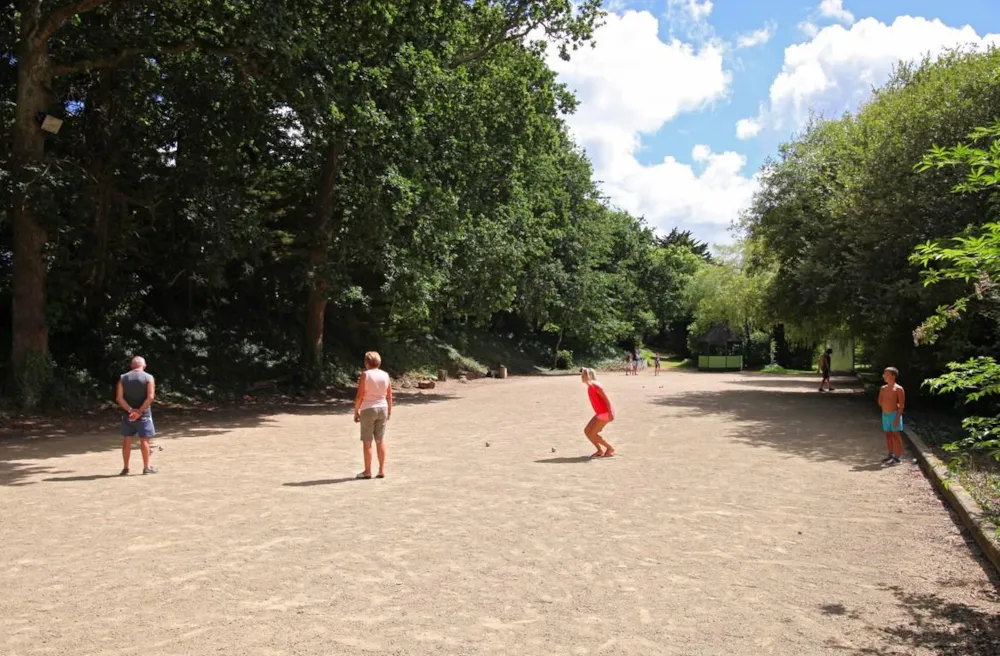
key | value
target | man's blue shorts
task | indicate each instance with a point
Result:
(890, 424)
(143, 426)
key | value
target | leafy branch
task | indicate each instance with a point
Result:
(974, 256)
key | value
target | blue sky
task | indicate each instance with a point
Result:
(669, 81)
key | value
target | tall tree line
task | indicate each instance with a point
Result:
(833, 229)
(244, 186)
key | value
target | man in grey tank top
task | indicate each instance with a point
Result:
(135, 393)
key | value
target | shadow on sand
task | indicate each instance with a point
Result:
(568, 460)
(49, 438)
(935, 625)
(786, 418)
(325, 481)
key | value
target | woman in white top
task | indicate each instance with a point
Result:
(372, 408)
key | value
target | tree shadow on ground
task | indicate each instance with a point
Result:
(22, 445)
(796, 383)
(784, 418)
(944, 627)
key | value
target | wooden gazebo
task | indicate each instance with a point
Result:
(719, 356)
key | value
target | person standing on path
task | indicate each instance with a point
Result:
(134, 395)
(635, 361)
(604, 414)
(656, 363)
(892, 400)
(824, 370)
(372, 409)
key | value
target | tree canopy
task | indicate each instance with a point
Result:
(842, 208)
(244, 189)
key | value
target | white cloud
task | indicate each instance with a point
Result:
(757, 37)
(748, 128)
(835, 9)
(696, 11)
(809, 28)
(836, 70)
(632, 84)
(701, 153)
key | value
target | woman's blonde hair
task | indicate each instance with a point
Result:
(373, 359)
(591, 374)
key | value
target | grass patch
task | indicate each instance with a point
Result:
(779, 370)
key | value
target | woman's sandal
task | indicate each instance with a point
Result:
(363, 476)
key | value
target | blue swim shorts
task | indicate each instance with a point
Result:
(143, 427)
(890, 424)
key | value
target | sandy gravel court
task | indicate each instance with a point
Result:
(744, 515)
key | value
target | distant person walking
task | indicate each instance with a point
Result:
(656, 364)
(628, 363)
(635, 361)
(372, 409)
(824, 370)
(134, 395)
(604, 414)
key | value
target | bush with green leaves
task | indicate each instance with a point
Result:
(973, 260)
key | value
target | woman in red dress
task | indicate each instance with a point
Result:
(604, 414)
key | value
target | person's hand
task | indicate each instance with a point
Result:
(133, 415)
(388, 416)
(357, 417)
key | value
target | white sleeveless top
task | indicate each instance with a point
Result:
(376, 386)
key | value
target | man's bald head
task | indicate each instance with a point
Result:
(138, 362)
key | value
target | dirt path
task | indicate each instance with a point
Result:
(744, 516)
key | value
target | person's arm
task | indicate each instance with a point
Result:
(150, 395)
(120, 398)
(900, 399)
(603, 395)
(388, 399)
(360, 395)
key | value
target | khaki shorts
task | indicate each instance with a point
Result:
(373, 424)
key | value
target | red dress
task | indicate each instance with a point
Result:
(600, 405)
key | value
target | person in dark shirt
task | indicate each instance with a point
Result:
(824, 369)
(135, 393)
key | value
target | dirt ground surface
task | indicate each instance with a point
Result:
(745, 514)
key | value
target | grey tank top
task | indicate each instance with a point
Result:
(134, 387)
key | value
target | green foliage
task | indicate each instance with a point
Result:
(974, 380)
(841, 210)
(564, 360)
(728, 292)
(398, 168)
(973, 257)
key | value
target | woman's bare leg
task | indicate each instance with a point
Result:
(599, 440)
(367, 445)
(590, 433)
(380, 451)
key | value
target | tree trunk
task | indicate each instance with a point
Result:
(555, 355)
(782, 354)
(319, 253)
(102, 139)
(29, 330)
